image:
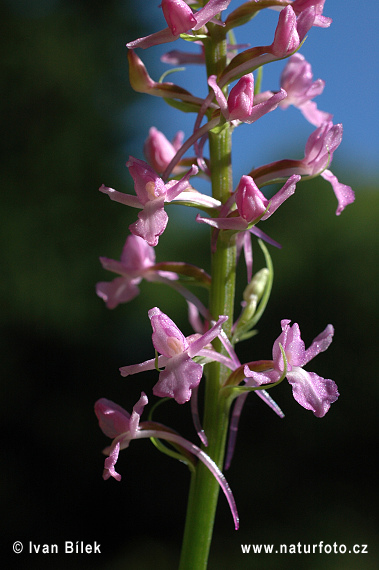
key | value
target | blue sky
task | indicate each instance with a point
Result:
(344, 55)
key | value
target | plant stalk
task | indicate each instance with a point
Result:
(204, 490)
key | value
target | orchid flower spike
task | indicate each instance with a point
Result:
(297, 80)
(137, 262)
(118, 424)
(181, 373)
(152, 193)
(181, 19)
(309, 390)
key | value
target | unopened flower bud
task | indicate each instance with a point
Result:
(257, 286)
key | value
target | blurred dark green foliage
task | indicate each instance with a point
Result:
(65, 98)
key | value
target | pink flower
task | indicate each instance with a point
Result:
(252, 205)
(319, 151)
(180, 19)
(159, 151)
(152, 193)
(114, 421)
(289, 33)
(181, 374)
(317, 5)
(240, 104)
(136, 263)
(297, 80)
(309, 390)
(118, 424)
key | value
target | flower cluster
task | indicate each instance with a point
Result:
(169, 177)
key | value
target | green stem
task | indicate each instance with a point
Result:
(204, 488)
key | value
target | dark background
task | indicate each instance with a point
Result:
(65, 124)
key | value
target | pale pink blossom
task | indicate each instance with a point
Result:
(151, 195)
(137, 262)
(159, 151)
(181, 373)
(297, 80)
(310, 390)
(252, 205)
(289, 33)
(119, 425)
(317, 5)
(240, 103)
(179, 19)
(319, 151)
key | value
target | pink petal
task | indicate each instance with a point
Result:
(178, 379)
(167, 338)
(120, 290)
(265, 107)
(113, 419)
(137, 254)
(136, 414)
(161, 37)
(211, 9)
(178, 16)
(110, 462)
(152, 222)
(344, 194)
(286, 38)
(207, 337)
(311, 391)
(143, 366)
(314, 115)
(319, 344)
(285, 192)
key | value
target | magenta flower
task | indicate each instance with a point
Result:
(309, 390)
(152, 193)
(118, 424)
(137, 262)
(180, 19)
(251, 7)
(159, 151)
(114, 422)
(252, 205)
(289, 33)
(317, 5)
(181, 374)
(297, 80)
(319, 151)
(240, 104)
